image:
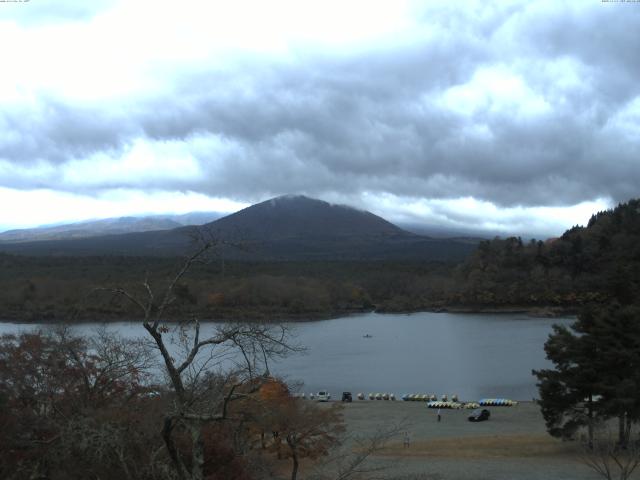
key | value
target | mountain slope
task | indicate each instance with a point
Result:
(302, 217)
(284, 228)
(107, 226)
(93, 228)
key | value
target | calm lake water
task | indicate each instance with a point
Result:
(472, 355)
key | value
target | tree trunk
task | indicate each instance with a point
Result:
(294, 470)
(171, 448)
(621, 430)
(590, 424)
(197, 452)
(294, 458)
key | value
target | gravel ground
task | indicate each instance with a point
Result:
(513, 444)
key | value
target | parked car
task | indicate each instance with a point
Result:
(479, 414)
(323, 396)
(347, 397)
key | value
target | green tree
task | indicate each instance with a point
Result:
(615, 332)
(596, 374)
(567, 392)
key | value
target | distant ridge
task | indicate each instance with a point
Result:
(87, 229)
(107, 226)
(283, 228)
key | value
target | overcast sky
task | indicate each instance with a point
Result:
(515, 116)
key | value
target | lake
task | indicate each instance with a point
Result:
(471, 355)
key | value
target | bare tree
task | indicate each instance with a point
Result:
(239, 352)
(355, 461)
(308, 431)
(104, 360)
(611, 459)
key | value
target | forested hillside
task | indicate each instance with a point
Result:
(596, 263)
(59, 288)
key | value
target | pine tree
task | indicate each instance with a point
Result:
(616, 329)
(567, 392)
(596, 374)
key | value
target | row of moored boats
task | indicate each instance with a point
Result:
(430, 399)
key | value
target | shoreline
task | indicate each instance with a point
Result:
(533, 312)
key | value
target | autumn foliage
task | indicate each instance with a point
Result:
(71, 407)
(78, 408)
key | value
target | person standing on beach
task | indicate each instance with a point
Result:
(439, 416)
(406, 439)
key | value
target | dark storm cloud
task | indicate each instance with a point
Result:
(378, 120)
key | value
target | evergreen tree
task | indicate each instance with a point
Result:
(596, 374)
(615, 330)
(567, 392)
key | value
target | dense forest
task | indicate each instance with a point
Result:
(46, 288)
(594, 263)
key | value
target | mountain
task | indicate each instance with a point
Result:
(283, 228)
(436, 231)
(107, 226)
(87, 229)
(291, 216)
(195, 218)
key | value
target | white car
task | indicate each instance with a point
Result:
(323, 396)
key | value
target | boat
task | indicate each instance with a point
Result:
(497, 402)
(441, 404)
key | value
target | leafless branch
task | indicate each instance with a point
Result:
(610, 460)
(202, 396)
(355, 463)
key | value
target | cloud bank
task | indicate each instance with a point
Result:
(519, 106)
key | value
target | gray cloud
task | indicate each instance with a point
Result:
(376, 120)
(56, 132)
